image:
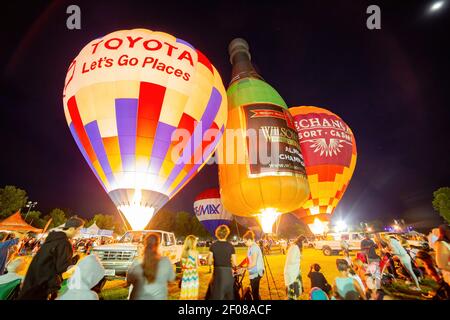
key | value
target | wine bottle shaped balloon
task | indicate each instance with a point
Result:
(261, 170)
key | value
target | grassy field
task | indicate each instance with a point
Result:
(117, 288)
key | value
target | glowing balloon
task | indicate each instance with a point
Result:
(209, 210)
(125, 96)
(251, 185)
(318, 226)
(329, 151)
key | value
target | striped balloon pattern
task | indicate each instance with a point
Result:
(126, 96)
(329, 150)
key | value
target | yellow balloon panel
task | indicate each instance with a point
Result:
(173, 107)
(201, 98)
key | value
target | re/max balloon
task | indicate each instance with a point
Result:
(125, 96)
(329, 151)
(209, 210)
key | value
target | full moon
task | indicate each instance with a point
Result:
(436, 6)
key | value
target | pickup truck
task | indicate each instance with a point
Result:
(116, 258)
(331, 243)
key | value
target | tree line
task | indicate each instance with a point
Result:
(13, 199)
(183, 223)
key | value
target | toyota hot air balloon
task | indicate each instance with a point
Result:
(209, 210)
(146, 110)
(329, 150)
(261, 171)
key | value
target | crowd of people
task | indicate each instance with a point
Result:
(380, 261)
(383, 260)
(85, 245)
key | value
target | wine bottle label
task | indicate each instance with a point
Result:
(272, 141)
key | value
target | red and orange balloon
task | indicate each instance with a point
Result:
(329, 151)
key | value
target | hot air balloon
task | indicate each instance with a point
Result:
(251, 185)
(329, 150)
(146, 110)
(209, 210)
(252, 224)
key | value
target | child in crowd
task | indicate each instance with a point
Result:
(318, 280)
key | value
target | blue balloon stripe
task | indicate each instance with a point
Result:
(93, 133)
(83, 152)
(126, 116)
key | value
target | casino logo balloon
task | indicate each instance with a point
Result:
(329, 151)
(125, 96)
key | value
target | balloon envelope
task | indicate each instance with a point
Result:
(251, 223)
(250, 189)
(209, 210)
(329, 151)
(125, 97)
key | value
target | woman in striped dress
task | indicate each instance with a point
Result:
(189, 263)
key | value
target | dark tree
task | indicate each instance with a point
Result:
(11, 200)
(441, 202)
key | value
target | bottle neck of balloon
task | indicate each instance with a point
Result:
(242, 68)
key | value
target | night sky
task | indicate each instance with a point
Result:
(391, 86)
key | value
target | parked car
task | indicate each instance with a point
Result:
(308, 243)
(331, 243)
(116, 258)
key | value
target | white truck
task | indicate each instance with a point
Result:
(331, 243)
(116, 258)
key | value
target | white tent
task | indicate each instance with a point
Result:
(94, 229)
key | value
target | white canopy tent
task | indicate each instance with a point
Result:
(92, 231)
